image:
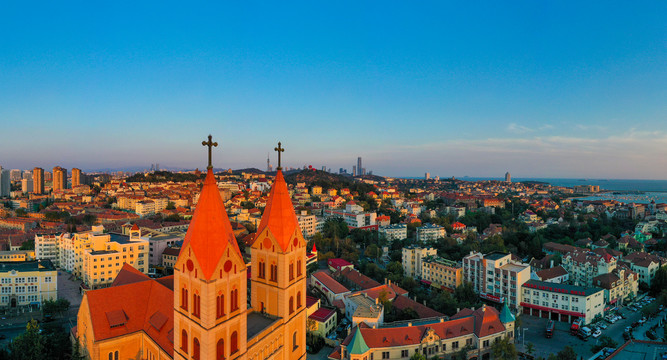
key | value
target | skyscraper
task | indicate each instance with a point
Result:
(5, 182)
(427, 176)
(359, 167)
(15, 174)
(354, 170)
(59, 178)
(38, 180)
(76, 177)
(508, 177)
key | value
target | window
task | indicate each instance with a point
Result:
(404, 353)
(220, 350)
(455, 345)
(234, 303)
(485, 343)
(184, 298)
(195, 349)
(262, 270)
(195, 304)
(274, 272)
(234, 343)
(298, 268)
(220, 306)
(385, 354)
(291, 304)
(184, 341)
(298, 299)
(291, 271)
(6, 280)
(296, 346)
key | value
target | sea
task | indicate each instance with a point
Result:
(622, 190)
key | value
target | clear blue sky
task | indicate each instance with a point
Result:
(540, 89)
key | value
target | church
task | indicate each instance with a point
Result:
(202, 311)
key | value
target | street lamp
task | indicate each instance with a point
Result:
(523, 337)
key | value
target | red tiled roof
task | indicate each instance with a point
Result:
(128, 275)
(310, 301)
(322, 314)
(329, 282)
(487, 320)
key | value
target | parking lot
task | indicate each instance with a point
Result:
(535, 333)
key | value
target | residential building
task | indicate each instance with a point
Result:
(440, 338)
(339, 265)
(644, 264)
(353, 216)
(556, 274)
(169, 257)
(496, 277)
(5, 182)
(583, 265)
(362, 308)
(328, 286)
(323, 321)
(27, 283)
(46, 247)
(27, 186)
(38, 180)
(17, 255)
(441, 273)
(412, 259)
(59, 179)
(430, 232)
(307, 223)
(620, 287)
(76, 177)
(562, 302)
(394, 232)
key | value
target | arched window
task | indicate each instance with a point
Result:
(184, 298)
(111, 356)
(234, 301)
(184, 341)
(291, 304)
(220, 306)
(298, 268)
(298, 299)
(234, 343)
(195, 349)
(294, 344)
(220, 350)
(291, 271)
(262, 270)
(195, 304)
(115, 355)
(274, 272)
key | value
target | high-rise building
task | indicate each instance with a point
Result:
(5, 182)
(508, 177)
(26, 185)
(38, 180)
(76, 177)
(427, 176)
(59, 178)
(27, 175)
(354, 170)
(359, 167)
(15, 174)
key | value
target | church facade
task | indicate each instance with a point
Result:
(202, 311)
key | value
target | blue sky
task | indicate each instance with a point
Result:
(542, 89)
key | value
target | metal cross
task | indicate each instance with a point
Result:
(279, 150)
(210, 144)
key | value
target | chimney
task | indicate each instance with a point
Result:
(552, 263)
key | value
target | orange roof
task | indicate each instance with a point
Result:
(129, 275)
(135, 227)
(125, 309)
(210, 232)
(279, 214)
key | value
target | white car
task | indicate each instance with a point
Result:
(597, 333)
(602, 325)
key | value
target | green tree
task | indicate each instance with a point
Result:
(21, 212)
(503, 349)
(76, 351)
(171, 206)
(29, 345)
(418, 356)
(659, 282)
(567, 353)
(372, 251)
(603, 342)
(530, 348)
(89, 219)
(28, 245)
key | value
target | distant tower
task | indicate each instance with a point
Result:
(76, 177)
(59, 178)
(5, 182)
(359, 167)
(508, 177)
(268, 163)
(427, 176)
(38, 180)
(354, 171)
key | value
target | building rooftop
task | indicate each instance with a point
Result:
(495, 255)
(257, 322)
(562, 288)
(25, 266)
(322, 314)
(640, 349)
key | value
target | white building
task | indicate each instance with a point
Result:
(46, 247)
(145, 208)
(394, 232)
(353, 215)
(496, 276)
(562, 302)
(307, 223)
(413, 257)
(5, 182)
(26, 185)
(430, 232)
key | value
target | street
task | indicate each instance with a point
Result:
(543, 347)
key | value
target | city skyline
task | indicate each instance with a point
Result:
(568, 91)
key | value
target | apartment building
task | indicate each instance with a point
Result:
(644, 264)
(353, 215)
(394, 232)
(430, 232)
(169, 257)
(619, 286)
(46, 247)
(412, 259)
(562, 302)
(27, 283)
(441, 273)
(103, 257)
(496, 277)
(307, 223)
(583, 265)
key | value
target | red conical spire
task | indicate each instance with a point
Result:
(279, 216)
(210, 231)
(314, 249)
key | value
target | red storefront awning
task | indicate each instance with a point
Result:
(557, 311)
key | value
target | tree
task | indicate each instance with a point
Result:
(659, 281)
(76, 351)
(603, 342)
(29, 345)
(503, 349)
(171, 206)
(530, 348)
(372, 251)
(28, 245)
(418, 356)
(21, 212)
(89, 219)
(567, 353)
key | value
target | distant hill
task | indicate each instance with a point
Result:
(248, 171)
(160, 176)
(321, 178)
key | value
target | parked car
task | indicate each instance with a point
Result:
(597, 333)
(602, 325)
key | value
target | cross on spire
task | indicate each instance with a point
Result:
(279, 149)
(210, 144)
